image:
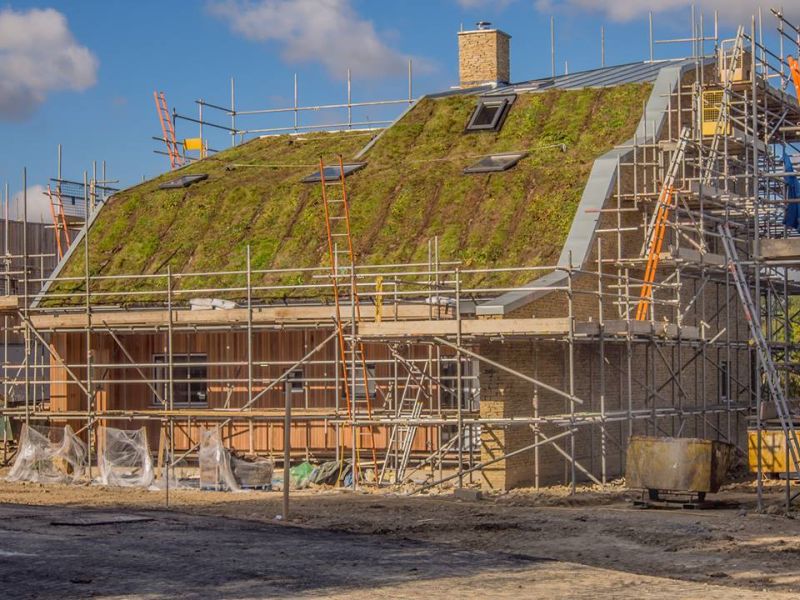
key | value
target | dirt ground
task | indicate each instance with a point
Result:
(548, 542)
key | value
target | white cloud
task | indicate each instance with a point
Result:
(731, 11)
(38, 205)
(326, 31)
(38, 54)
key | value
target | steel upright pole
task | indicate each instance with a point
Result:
(571, 365)
(410, 82)
(26, 362)
(287, 443)
(459, 395)
(602, 46)
(233, 112)
(249, 329)
(170, 379)
(89, 384)
(552, 46)
(756, 253)
(349, 101)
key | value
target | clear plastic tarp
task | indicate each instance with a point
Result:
(48, 455)
(219, 470)
(215, 463)
(124, 458)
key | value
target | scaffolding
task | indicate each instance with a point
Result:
(684, 363)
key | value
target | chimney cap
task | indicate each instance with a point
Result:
(483, 24)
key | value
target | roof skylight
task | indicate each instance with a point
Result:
(182, 182)
(490, 114)
(332, 173)
(493, 163)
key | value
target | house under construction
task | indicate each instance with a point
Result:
(501, 287)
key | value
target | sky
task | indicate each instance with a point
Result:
(82, 73)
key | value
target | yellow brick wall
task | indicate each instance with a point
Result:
(483, 57)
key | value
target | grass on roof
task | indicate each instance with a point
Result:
(411, 190)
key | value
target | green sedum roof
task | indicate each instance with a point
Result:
(411, 190)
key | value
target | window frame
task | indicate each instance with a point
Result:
(183, 181)
(349, 169)
(513, 160)
(160, 375)
(297, 381)
(724, 382)
(358, 379)
(503, 103)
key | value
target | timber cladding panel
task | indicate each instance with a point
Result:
(121, 386)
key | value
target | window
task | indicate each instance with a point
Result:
(358, 380)
(189, 381)
(449, 381)
(496, 162)
(296, 381)
(182, 182)
(724, 382)
(332, 173)
(490, 114)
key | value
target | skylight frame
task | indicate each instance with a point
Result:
(512, 159)
(333, 170)
(502, 104)
(183, 181)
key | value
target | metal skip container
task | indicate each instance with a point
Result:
(677, 464)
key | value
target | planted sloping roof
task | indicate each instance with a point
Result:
(412, 189)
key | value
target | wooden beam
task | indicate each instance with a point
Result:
(469, 327)
(9, 304)
(265, 315)
(781, 250)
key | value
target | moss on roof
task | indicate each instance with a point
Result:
(411, 190)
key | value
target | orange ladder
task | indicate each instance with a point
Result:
(658, 226)
(343, 278)
(168, 130)
(59, 220)
(794, 69)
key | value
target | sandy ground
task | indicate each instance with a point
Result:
(569, 546)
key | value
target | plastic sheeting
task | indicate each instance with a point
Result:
(48, 455)
(124, 458)
(215, 463)
(300, 475)
(221, 471)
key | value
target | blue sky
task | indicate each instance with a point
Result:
(90, 67)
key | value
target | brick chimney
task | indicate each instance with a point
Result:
(483, 56)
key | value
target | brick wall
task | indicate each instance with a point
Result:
(636, 379)
(483, 56)
(637, 374)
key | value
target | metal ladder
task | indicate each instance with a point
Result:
(343, 279)
(762, 347)
(723, 116)
(168, 129)
(405, 433)
(657, 229)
